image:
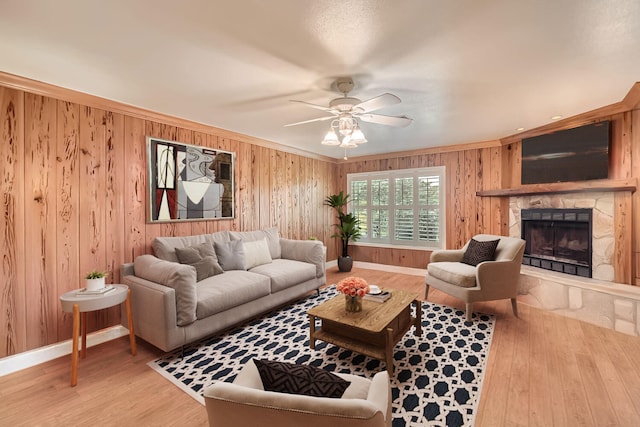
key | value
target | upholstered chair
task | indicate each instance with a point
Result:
(244, 402)
(492, 279)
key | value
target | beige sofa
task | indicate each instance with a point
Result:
(245, 403)
(172, 308)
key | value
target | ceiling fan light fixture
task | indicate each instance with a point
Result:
(346, 124)
(357, 137)
(346, 112)
(347, 143)
(331, 138)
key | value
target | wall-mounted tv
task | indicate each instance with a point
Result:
(577, 154)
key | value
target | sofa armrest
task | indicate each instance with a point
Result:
(180, 277)
(311, 251)
(153, 305)
(447, 255)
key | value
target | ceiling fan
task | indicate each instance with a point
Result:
(345, 112)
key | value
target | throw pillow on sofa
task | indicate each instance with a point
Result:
(307, 380)
(256, 253)
(231, 255)
(202, 257)
(271, 235)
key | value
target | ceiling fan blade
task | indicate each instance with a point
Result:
(319, 107)
(384, 100)
(320, 119)
(386, 120)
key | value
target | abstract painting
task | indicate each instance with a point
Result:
(188, 182)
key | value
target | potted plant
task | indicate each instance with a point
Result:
(95, 280)
(347, 228)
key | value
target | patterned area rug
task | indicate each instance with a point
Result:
(436, 381)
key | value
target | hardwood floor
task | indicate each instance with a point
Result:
(543, 370)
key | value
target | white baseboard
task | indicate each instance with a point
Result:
(392, 268)
(383, 267)
(30, 358)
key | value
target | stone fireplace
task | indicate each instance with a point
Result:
(558, 239)
(598, 300)
(570, 212)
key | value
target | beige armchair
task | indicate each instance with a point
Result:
(489, 280)
(245, 403)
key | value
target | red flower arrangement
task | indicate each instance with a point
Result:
(353, 286)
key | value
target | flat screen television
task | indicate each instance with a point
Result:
(577, 154)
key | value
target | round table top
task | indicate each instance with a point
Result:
(94, 302)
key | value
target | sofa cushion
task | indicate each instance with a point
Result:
(256, 253)
(285, 273)
(456, 273)
(307, 380)
(231, 255)
(479, 251)
(202, 257)
(180, 277)
(271, 235)
(164, 247)
(231, 289)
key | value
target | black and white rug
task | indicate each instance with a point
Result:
(436, 381)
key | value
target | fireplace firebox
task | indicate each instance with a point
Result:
(558, 239)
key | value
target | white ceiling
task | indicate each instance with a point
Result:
(466, 70)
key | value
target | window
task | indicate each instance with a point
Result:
(402, 207)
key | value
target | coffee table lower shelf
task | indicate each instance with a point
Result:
(376, 344)
(384, 354)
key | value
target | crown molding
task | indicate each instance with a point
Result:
(421, 151)
(69, 95)
(630, 102)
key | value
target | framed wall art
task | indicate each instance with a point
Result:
(189, 182)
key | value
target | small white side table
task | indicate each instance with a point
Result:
(80, 305)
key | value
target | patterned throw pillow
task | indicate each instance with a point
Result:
(478, 252)
(308, 380)
(202, 257)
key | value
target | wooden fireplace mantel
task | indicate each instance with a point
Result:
(628, 184)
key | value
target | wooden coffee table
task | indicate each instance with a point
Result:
(374, 331)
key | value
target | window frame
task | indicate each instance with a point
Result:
(391, 176)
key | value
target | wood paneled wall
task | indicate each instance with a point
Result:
(499, 167)
(74, 199)
(467, 171)
(73, 188)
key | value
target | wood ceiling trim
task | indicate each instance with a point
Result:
(45, 89)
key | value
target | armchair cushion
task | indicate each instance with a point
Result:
(456, 273)
(480, 251)
(307, 380)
